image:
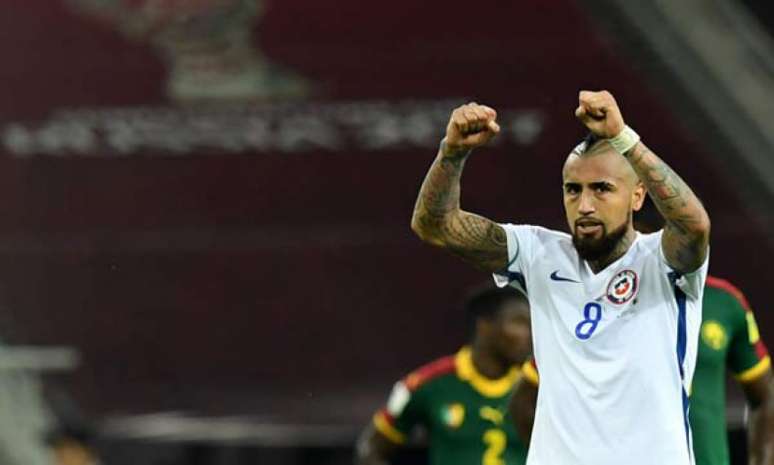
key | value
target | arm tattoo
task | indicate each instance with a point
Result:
(439, 220)
(686, 234)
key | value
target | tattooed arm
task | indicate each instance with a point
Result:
(686, 234)
(438, 219)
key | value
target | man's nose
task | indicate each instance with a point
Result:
(586, 206)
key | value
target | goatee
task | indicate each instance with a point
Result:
(591, 249)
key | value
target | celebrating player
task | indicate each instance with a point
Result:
(461, 400)
(615, 313)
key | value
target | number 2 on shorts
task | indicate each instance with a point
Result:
(592, 313)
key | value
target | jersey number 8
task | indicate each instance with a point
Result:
(592, 313)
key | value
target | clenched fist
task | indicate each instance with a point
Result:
(470, 126)
(600, 113)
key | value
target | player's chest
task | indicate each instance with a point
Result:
(471, 418)
(614, 305)
(474, 430)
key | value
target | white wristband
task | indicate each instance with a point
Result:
(624, 141)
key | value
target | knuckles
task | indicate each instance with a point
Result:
(601, 97)
(473, 112)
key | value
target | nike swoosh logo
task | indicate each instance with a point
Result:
(555, 276)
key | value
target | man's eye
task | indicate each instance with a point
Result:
(572, 189)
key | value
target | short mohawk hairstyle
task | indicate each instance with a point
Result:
(587, 143)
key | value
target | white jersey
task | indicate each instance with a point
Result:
(615, 350)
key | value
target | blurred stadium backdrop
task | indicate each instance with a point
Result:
(209, 200)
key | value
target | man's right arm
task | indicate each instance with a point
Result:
(374, 448)
(438, 218)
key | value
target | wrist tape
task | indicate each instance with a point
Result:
(624, 141)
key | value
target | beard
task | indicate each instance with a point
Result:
(592, 249)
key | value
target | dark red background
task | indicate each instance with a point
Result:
(262, 274)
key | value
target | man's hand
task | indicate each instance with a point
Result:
(470, 126)
(600, 113)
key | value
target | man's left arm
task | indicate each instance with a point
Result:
(760, 423)
(686, 234)
(748, 360)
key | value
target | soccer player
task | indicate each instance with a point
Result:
(615, 313)
(728, 341)
(461, 400)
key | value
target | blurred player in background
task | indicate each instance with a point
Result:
(728, 342)
(461, 400)
(615, 313)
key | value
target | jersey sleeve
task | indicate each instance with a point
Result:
(692, 284)
(748, 358)
(404, 411)
(522, 241)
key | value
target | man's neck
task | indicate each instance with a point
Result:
(487, 364)
(618, 251)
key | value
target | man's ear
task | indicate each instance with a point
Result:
(638, 196)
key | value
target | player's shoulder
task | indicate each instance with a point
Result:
(429, 372)
(539, 234)
(722, 289)
(647, 248)
(536, 230)
(649, 242)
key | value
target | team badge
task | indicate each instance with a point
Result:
(623, 287)
(713, 334)
(453, 415)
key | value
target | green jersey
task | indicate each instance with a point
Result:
(464, 413)
(728, 340)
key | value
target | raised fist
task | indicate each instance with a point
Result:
(470, 126)
(600, 113)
